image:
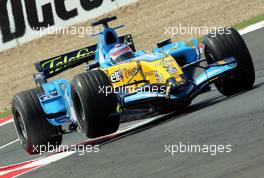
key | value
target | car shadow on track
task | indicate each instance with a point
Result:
(178, 114)
(216, 99)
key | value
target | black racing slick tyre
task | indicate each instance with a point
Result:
(231, 44)
(93, 107)
(34, 131)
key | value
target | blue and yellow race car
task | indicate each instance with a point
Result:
(119, 78)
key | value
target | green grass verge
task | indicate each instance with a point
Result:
(243, 24)
(237, 26)
(5, 114)
(251, 21)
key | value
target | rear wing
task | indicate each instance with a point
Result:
(58, 64)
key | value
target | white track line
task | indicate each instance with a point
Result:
(39, 162)
(10, 143)
(7, 122)
(252, 28)
(43, 161)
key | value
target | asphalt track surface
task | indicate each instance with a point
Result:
(212, 119)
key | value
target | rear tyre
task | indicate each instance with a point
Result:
(34, 131)
(231, 44)
(92, 105)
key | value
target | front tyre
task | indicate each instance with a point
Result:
(94, 107)
(231, 44)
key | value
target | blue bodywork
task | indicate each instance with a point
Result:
(56, 98)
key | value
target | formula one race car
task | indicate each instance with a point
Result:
(119, 78)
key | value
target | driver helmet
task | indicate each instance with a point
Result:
(120, 53)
